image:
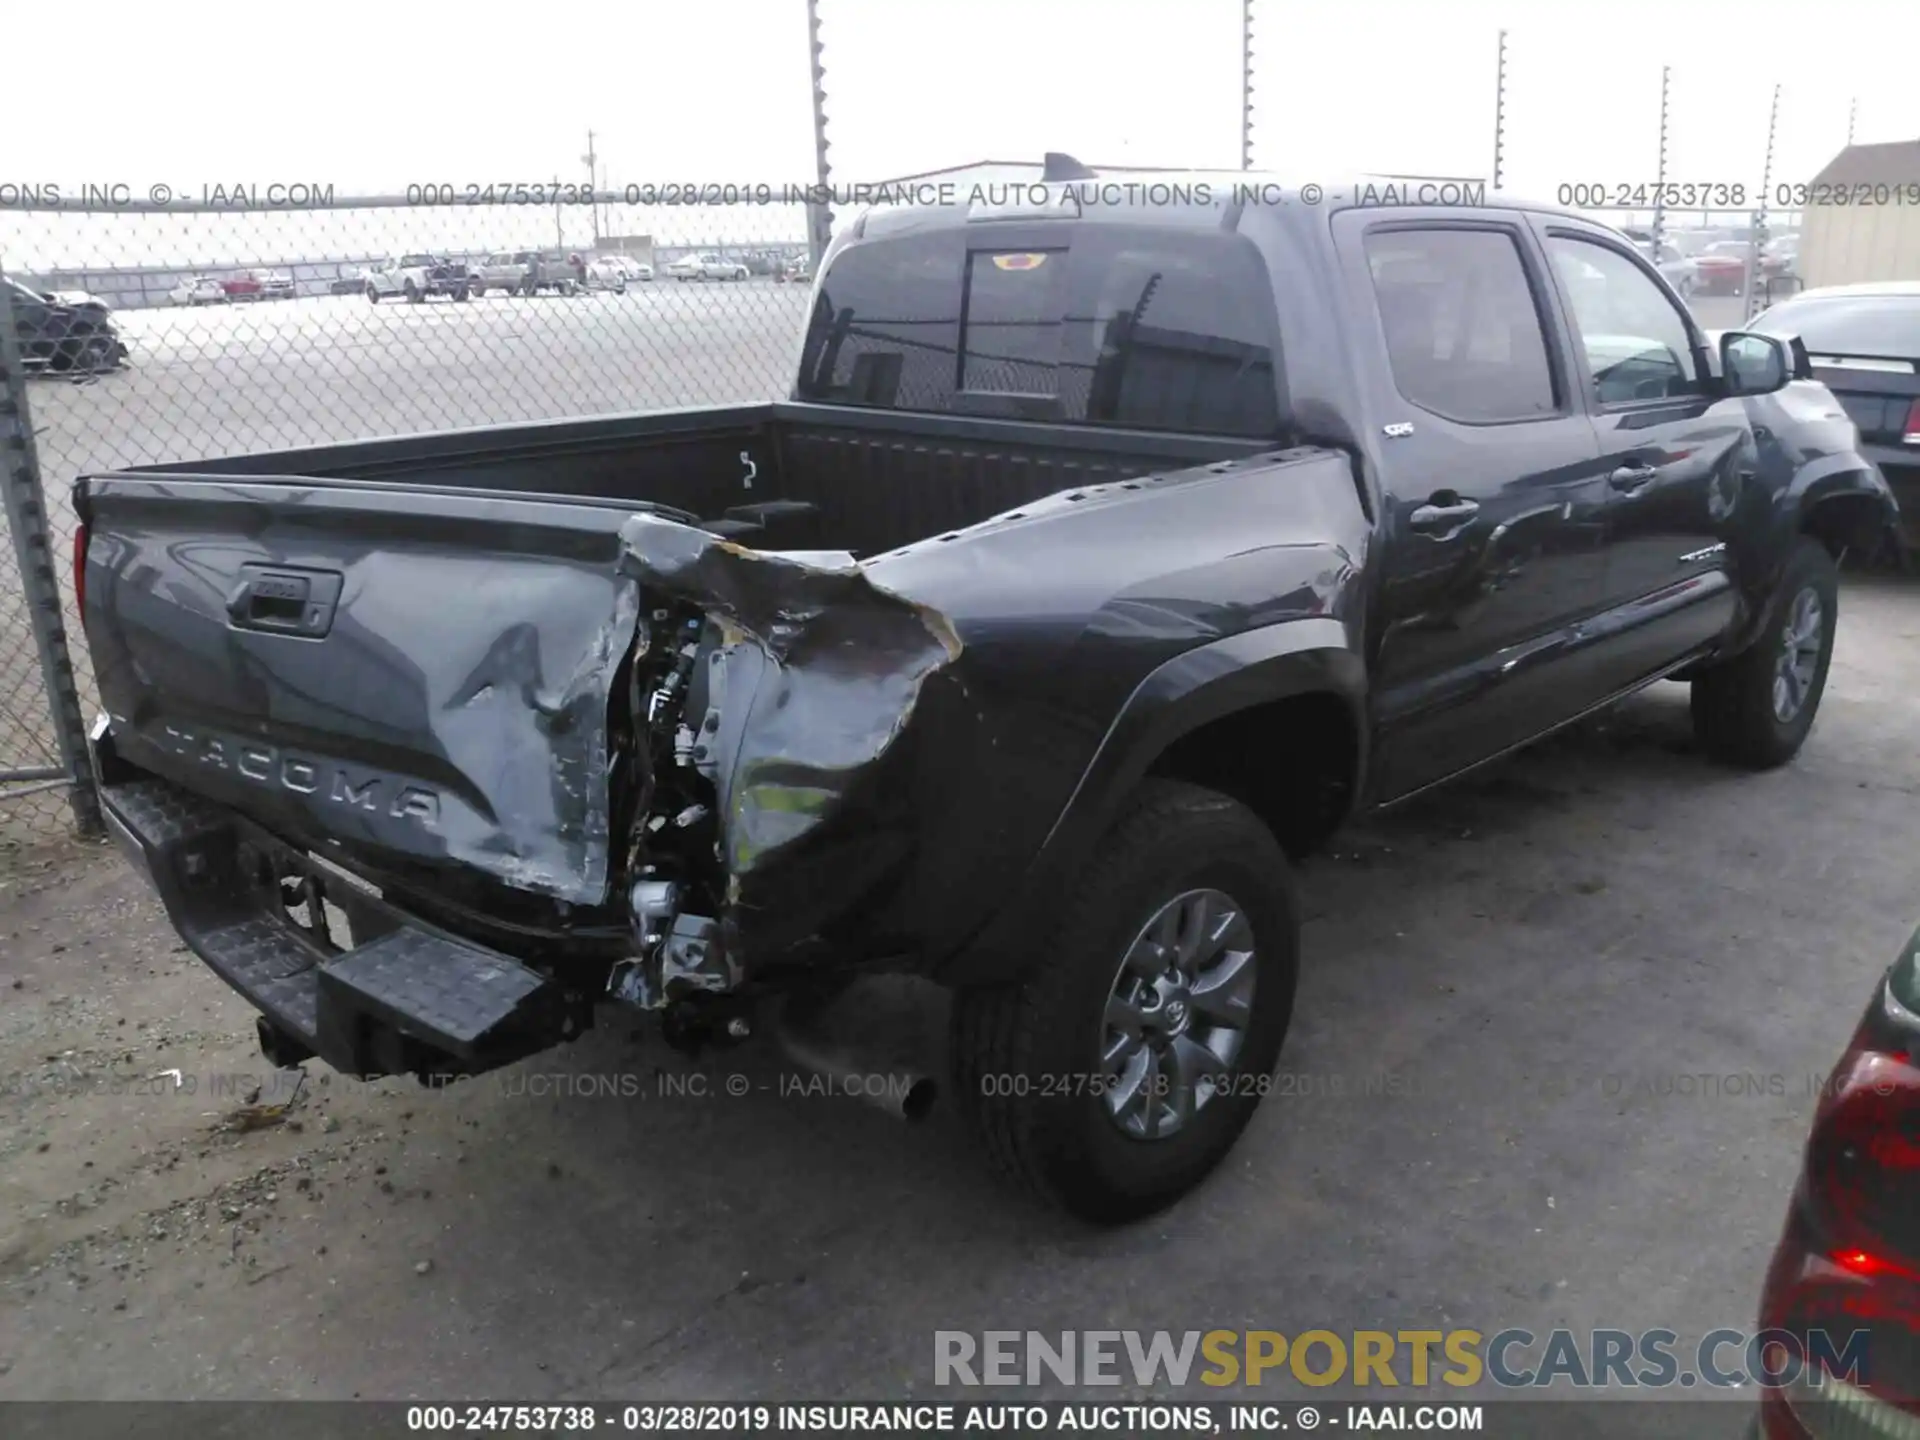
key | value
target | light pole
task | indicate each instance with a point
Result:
(590, 160)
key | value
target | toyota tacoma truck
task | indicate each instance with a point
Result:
(1105, 557)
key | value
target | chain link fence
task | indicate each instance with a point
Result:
(174, 335)
(228, 324)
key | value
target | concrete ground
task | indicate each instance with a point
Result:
(1552, 1064)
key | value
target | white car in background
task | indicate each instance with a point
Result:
(706, 267)
(1680, 270)
(200, 290)
(635, 271)
(603, 273)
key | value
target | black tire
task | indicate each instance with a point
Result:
(1017, 1051)
(373, 295)
(1735, 715)
(460, 295)
(479, 289)
(414, 297)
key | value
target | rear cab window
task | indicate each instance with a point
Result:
(1091, 323)
(1462, 324)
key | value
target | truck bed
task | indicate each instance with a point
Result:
(411, 651)
(870, 480)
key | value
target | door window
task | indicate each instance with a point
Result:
(1638, 346)
(1462, 327)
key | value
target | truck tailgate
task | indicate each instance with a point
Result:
(420, 676)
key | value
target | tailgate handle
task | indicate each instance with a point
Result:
(284, 601)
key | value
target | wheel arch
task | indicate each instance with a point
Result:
(1274, 717)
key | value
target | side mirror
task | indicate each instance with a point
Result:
(1753, 364)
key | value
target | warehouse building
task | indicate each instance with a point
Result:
(1862, 217)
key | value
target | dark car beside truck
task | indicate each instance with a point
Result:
(1840, 1308)
(1864, 344)
(1106, 558)
(63, 332)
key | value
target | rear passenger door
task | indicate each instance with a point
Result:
(1676, 458)
(1493, 549)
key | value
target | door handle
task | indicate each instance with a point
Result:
(1632, 477)
(1444, 511)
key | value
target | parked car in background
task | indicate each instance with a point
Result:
(200, 290)
(276, 285)
(1680, 271)
(415, 277)
(1721, 268)
(1841, 1302)
(636, 271)
(244, 286)
(1781, 256)
(64, 334)
(706, 267)
(603, 273)
(1864, 343)
(344, 284)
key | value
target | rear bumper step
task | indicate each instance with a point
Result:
(406, 999)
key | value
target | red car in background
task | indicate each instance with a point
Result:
(244, 286)
(1721, 268)
(1840, 1313)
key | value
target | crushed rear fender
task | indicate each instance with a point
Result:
(806, 679)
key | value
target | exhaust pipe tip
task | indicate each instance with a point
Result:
(904, 1093)
(919, 1100)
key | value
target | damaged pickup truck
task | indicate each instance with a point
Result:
(1104, 560)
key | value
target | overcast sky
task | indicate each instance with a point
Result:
(372, 98)
(377, 96)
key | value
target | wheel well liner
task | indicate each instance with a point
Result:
(1852, 521)
(1295, 762)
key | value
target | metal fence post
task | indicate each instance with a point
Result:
(1757, 239)
(820, 211)
(1660, 169)
(27, 520)
(1246, 84)
(1500, 112)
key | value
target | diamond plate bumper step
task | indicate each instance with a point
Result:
(409, 1000)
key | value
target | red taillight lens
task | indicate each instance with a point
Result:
(1910, 432)
(1845, 1281)
(80, 570)
(1863, 1160)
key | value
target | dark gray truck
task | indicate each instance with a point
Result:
(1107, 556)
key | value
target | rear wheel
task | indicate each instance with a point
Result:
(414, 297)
(373, 295)
(1756, 709)
(1123, 1068)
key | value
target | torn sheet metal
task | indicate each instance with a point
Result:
(811, 677)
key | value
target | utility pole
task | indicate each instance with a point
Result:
(1500, 112)
(591, 161)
